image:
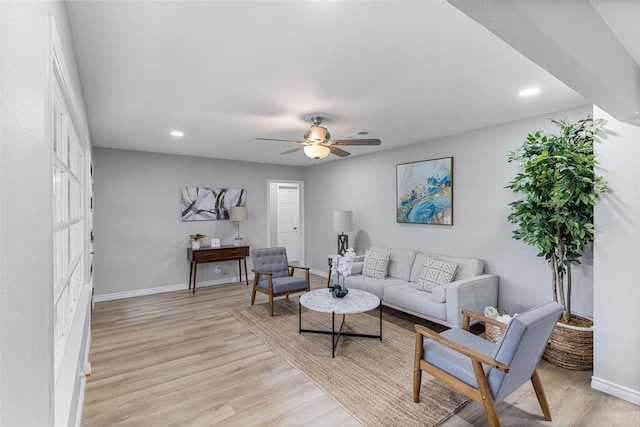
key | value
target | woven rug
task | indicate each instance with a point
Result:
(371, 379)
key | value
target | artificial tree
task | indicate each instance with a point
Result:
(560, 190)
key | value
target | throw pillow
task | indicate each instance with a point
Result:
(435, 273)
(375, 264)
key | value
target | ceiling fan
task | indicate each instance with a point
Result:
(318, 144)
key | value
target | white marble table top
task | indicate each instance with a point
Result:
(356, 301)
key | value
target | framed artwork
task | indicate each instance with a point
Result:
(210, 204)
(425, 192)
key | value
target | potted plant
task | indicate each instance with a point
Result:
(195, 240)
(555, 215)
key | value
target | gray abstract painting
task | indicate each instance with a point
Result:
(210, 204)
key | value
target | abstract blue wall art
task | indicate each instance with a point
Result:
(425, 192)
(210, 204)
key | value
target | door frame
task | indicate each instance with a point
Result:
(272, 201)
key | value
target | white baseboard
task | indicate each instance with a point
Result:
(616, 390)
(163, 289)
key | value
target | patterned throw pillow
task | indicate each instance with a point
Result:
(435, 273)
(375, 264)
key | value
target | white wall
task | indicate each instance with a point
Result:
(140, 239)
(367, 185)
(616, 255)
(26, 289)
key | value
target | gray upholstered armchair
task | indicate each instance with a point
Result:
(274, 276)
(484, 371)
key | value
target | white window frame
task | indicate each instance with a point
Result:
(69, 225)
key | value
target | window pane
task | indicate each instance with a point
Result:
(58, 256)
(57, 194)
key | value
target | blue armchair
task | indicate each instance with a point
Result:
(274, 276)
(483, 371)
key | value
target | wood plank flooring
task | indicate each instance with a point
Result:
(178, 359)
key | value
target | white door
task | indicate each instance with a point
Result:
(288, 219)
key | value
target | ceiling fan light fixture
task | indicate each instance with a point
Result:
(317, 134)
(316, 151)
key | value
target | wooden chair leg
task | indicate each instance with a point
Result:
(487, 399)
(271, 304)
(417, 383)
(253, 295)
(417, 372)
(542, 398)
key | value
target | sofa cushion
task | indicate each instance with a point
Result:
(439, 294)
(467, 267)
(435, 273)
(400, 263)
(376, 287)
(375, 264)
(409, 299)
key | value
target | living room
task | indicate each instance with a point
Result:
(125, 227)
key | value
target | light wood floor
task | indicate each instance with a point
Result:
(178, 359)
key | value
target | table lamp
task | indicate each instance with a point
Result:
(238, 214)
(342, 221)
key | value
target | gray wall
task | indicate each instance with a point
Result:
(141, 242)
(616, 255)
(366, 185)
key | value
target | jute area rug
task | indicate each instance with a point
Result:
(371, 379)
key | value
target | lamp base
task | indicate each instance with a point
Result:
(343, 243)
(238, 241)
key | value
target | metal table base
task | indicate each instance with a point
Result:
(335, 336)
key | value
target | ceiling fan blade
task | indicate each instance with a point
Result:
(273, 139)
(293, 151)
(338, 152)
(355, 142)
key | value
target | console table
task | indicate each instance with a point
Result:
(223, 253)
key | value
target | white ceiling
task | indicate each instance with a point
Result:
(623, 17)
(226, 72)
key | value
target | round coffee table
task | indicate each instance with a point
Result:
(322, 300)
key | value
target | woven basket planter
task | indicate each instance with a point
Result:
(570, 347)
(494, 333)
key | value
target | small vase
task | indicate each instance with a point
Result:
(195, 244)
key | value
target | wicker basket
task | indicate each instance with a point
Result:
(570, 347)
(494, 333)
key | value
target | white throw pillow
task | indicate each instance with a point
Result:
(375, 264)
(435, 273)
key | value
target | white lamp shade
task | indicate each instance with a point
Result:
(316, 151)
(342, 221)
(238, 213)
(318, 134)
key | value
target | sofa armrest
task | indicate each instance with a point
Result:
(474, 294)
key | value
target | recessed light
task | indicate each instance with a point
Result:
(529, 92)
(176, 133)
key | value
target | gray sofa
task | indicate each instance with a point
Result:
(470, 288)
